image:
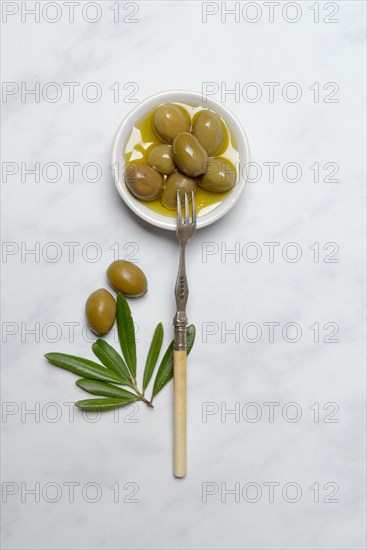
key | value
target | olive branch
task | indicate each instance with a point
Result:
(120, 369)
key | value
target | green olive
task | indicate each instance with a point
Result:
(189, 156)
(100, 310)
(144, 182)
(177, 182)
(169, 120)
(127, 278)
(220, 175)
(160, 158)
(209, 129)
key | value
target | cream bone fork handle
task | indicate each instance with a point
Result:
(186, 227)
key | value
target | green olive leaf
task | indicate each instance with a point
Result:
(102, 388)
(165, 371)
(126, 333)
(83, 367)
(112, 360)
(153, 354)
(103, 404)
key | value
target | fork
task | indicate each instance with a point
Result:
(186, 227)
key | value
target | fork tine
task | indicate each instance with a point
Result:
(187, 209)
(179, 212)
(193, 208)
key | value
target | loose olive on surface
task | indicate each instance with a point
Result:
(169, 120)
(127, 278)
(144, 182)
(189, 156)
(160, 158)
(220, 176)
(209, 129)
(100, 310)
(177, 182)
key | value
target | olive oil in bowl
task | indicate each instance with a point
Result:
(142, 137)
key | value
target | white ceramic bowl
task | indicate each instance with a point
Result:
(119, 143)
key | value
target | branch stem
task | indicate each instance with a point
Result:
(142, 397)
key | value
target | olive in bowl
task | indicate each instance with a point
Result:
(169, 120)
(189, 155)
(177, 182)
(160, 158)
(144, 182)
(208, 128)
(220, 176)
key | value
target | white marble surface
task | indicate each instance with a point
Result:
(170, 47)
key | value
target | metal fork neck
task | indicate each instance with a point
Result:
(181, 292)
(180, 323)
(185, 230)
